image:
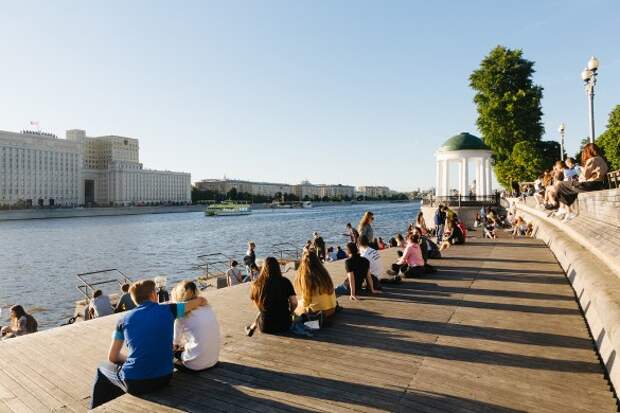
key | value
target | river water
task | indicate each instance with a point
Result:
(40, 258)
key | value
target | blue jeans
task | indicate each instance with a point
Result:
(439, 233)
(109, 385)
(342, 290)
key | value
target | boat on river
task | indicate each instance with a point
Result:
(228, 208)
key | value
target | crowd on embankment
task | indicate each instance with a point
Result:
(184, 331)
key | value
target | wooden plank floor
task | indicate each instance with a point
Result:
(497, 329)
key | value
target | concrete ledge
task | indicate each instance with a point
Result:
(595, 277)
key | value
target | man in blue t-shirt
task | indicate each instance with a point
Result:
(439, 219)
(147, 331)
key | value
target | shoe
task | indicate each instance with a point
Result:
(249, 331)
(569, 217)
(390, 272)
(550, 206)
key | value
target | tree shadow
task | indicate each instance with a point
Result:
(501, 243)
(232, 387)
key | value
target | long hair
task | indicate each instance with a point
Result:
(589, 151)
(312, 278)
(18, 310)
(419, 218)
(366, 219)
(266, 283)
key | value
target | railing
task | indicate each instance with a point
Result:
(614, 179)
(458, 200)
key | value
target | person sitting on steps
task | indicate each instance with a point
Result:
(358, 272)
(275, 298)
(411, 263)
(315, 289)
(148, 333)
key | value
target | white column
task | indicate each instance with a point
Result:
(482, 180)
(465, 177)
(438, 178)
(489, 177)
(445, 178)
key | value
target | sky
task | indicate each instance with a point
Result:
(352, 92)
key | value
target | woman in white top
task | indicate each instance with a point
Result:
(197, 335)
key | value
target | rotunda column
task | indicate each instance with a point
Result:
(489, 176)
(482, 182)
(464, 177)
(445, 186)
(437, 178)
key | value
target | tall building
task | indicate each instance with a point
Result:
(41, 169)
(38, 169)
(113, 174)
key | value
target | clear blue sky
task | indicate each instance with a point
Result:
(333, 91)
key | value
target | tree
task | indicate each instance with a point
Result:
(232, 194)
(508, 104)
(609, 141)
(549, 153)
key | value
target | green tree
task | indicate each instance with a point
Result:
(609, 141)
(508, 104)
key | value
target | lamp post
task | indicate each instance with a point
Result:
(589, 77)
(562, 130)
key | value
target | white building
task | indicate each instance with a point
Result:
(374, 191)
(113, 174)
(38, 169)
(42, 170)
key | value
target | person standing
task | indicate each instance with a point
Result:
(365, 228)
(439, 220)
(351, 233)
(319, 246)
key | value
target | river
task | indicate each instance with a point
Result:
(40, 258)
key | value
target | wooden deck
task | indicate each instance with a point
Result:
(497, 329)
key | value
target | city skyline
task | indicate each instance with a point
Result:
(358, 93)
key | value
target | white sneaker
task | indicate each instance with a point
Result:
(569, 217)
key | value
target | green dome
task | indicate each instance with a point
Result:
(463, 141)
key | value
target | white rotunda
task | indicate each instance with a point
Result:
(463, 149)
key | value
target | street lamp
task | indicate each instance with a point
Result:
(562, 129)
(589, 77)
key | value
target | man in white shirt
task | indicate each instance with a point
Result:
(376, 266)
(100, 305)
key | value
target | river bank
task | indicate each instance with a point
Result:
(40, 258)
(27, 214)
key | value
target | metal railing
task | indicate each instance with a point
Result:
(459, 200)
(614, 179)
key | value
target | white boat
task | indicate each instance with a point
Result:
(306, 204)
(228, 208)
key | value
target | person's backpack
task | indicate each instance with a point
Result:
(31, 324)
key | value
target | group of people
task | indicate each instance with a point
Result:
(164, 331)
(557, 189)
(449, 229)
(158, 336)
